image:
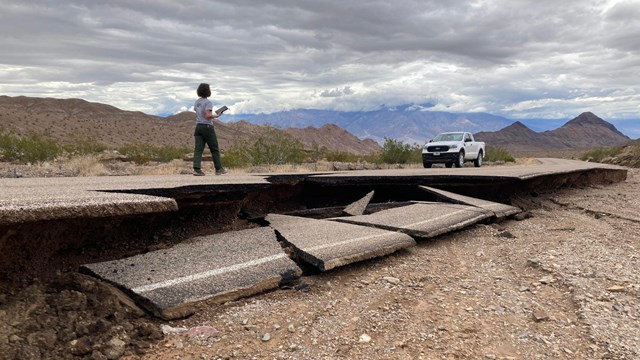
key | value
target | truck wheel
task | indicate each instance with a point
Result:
(460, 161)
(478, 161)
(448, 165)
(427, 165)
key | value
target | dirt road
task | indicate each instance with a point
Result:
(560, 284)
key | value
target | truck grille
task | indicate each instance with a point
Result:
(437, 148)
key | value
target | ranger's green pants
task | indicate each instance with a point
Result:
(205, 134)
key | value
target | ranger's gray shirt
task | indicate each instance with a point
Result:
(201, 106)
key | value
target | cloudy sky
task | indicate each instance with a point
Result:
(515, 58)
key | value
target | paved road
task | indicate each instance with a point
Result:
(32, 199)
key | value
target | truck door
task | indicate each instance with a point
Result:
(471, 147)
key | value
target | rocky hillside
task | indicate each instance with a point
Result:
(586, 131)
(333, 137)
(65, 119)
(629, 156)
(518, 133)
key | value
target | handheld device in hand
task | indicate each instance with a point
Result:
(221, 110)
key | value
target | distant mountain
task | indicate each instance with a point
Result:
(520, 136)
(408, 123)
(629, 127)
(583, 132)
(334, 138)
(588, 131)
(65, 119)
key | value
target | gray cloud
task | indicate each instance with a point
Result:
(337, 92)
(517, 58)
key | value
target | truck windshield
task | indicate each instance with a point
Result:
(449, 137)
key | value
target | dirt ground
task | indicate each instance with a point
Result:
(562, 283)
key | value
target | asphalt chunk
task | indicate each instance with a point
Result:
(500, 210)
(327, 244)
(422, 220)
(221, 267)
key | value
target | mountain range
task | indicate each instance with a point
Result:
(586, 131)
(355, 132)
(408, 123)
(67, 119)
(629, 127)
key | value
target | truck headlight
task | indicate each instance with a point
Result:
(453, 146)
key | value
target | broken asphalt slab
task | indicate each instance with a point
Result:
(327, 245)
(221, 267)
(500, 210)
(422, 220)
(358, 207)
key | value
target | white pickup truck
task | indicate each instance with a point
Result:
(453, 148)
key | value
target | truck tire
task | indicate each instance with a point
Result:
(460, 161)
(427, 165)
(478, 161)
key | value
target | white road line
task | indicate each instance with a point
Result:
(324, 246)
(205, 274)
(491, 205)
(440, 217)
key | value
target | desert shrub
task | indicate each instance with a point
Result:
(317, 152)
(496, 154)
(236, 156)
(7, 145)
(143, 153)
(166, 154)
(79, 145)
(270, 147)
(33, 148)
(86, 165)
(373, 158)
(600, 154)
(397, 152)
(341, 156)
(138, 153)
(415, 156)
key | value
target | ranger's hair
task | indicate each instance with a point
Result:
(204, 91)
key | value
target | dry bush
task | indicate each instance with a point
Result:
(86, 165)
(176, 166)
